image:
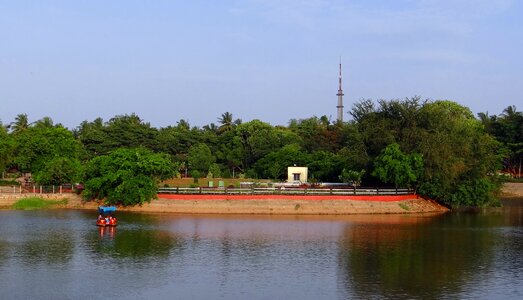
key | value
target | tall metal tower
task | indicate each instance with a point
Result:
(340, 99)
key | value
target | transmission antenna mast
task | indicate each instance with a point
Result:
(340, 99)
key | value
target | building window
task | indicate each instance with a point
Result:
(296, 176)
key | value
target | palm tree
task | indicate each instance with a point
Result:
(20, 124)
(45, 122)
(511, 112)
(226, 121)
(486, 120)
(183, 125)
(211, 127)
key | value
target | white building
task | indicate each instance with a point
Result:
(297, 174)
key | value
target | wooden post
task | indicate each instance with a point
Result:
(40, 189)
(60, 190)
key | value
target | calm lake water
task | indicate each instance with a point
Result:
(63, 255)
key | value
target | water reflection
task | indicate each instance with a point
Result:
(48, 248)
(459, 255)
(107, 232)
(137, 237)
(3, 252)
(432, 259)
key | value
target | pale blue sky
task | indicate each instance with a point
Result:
(272, 60)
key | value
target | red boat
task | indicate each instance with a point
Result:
(106, 218)
(109, 221)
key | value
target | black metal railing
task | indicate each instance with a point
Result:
(286, 191)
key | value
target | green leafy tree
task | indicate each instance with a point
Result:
(177, 140)
(230, 153)
(59, 170)
(93, 137)
(352, 177)
(200, 158)
(274, 165)
(323, 166)
(508, 129)
(7, 146)
(257, 140)
(38, 145)
(393, 166)
(128, 131)
(214, 171)
(127, 176)
(317, 134)
(457, 152)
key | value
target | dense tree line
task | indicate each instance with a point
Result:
(437, 147)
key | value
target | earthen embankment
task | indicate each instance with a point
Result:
(258, 204)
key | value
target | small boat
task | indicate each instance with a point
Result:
(106, 217)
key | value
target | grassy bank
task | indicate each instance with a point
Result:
(33, 203)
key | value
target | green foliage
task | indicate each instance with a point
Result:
(195, 174)
(36, 146)
(59, 170)
(323, 166)
(227, 123)
(20, 124)
(9, 182)
(214, 171)
(127, 176)
(274, 164)
(508, 129)
(476, 192)
(457, 152)
(258, 139)
(7, 147)
(127, 131)
(437, 146)
(317, 134)
(351, 176)
(393, 166)
(200, 158)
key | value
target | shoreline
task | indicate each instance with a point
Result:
(512, 190)
(258, 204)
(267, 204)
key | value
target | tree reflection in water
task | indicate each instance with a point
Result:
(435, 257)
(3, 252)
(137, 237)
(53, 248)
